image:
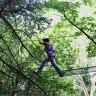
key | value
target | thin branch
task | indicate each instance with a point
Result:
(23, 75)
(3, 18)
(79, 28)
(12, 90)
(8, 49)
(6, 74)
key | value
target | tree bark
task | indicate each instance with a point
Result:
(80, 79)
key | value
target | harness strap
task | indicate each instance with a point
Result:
(51, 56)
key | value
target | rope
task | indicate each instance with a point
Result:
(77, 71)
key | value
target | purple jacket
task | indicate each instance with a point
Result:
(49, 49)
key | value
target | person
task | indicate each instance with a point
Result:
(1, 81)
(50, 56)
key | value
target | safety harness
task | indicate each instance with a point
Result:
(48, 49)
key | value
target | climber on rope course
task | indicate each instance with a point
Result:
(50, 57)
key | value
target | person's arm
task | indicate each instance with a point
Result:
(43, 43)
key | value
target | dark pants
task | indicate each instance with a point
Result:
(53, 62)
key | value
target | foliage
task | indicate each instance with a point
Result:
(91, 50)
(71, 13)
(21, 22)
(89, 2)
(87, 81)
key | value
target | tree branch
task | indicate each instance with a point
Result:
(89, 37)
(7, 23)
(23, 75)
(9, 49)
(6, 74)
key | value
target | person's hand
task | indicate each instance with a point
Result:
(40, 41)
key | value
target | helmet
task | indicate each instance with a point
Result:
(45, 37)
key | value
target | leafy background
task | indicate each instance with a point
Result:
(71, 27)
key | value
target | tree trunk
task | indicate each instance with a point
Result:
(93, 84)
(80, 79)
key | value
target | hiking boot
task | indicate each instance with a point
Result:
(62, 74)
(38, 73)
